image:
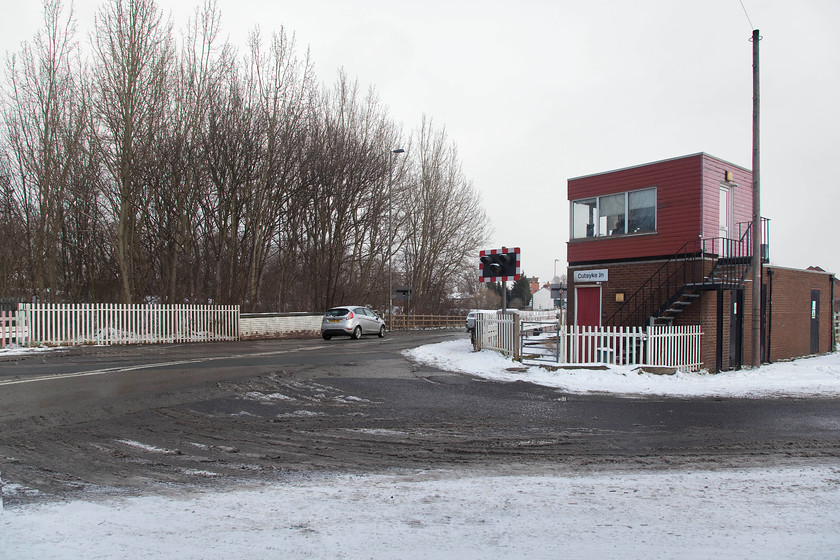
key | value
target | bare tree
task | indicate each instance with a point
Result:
(134, 51)
(284, 89)
(12, 257)
(43, 126)
(197, 175)
(178, 172)
(343, 240)
(252, 144)
(443, 223)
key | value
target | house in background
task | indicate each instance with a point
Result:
(670, 242)
(541, 299)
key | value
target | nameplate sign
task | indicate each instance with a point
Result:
(600, 275)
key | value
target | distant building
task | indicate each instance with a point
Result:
(541, 299)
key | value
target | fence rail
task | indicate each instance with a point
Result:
(409, 322)
(107, 324)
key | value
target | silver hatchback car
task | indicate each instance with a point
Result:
(352, 321)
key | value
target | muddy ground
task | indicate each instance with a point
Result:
(380, 413)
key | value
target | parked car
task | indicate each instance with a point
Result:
(352, 321)
(471, 320)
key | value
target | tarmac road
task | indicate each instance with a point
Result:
(140, 419)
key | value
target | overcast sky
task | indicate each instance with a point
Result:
(537, 92)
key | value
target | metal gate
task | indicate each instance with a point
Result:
(541, 341)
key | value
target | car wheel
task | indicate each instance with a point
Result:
(382, 331)
(357, 333)
(326, 336)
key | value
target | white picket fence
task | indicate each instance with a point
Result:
(109, 324)
(677, 347)
(602, 345)
(661, 346)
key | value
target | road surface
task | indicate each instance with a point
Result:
(140, 419)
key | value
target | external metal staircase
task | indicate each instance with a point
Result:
(700, 265)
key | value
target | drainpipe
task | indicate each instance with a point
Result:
(769, 312)
(833, 344)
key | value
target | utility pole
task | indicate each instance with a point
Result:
(756, 221)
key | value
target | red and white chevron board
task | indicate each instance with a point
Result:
(514, 278)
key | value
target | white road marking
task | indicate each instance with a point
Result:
(121, 369)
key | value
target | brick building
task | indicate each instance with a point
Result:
(670, 242)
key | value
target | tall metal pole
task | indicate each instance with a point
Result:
(391, 237)
(756, 221)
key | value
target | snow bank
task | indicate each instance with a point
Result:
(813, 377)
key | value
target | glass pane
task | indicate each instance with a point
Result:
(584, 214)
(724, 212)
(612, 215)
(642, 214)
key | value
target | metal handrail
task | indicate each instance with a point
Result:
(684, 270)
(674, 274)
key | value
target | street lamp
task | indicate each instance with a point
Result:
(391, 236)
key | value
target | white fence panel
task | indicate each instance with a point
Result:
(107, 324)
(497, 331)
(603, 345)
(672, 347)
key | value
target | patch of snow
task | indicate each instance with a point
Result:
(145, 447)
(257, 396)
(807, 377)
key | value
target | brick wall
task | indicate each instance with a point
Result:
(790, 311)
(279, 325)
(626, 279)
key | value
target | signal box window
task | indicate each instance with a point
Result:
(612, 211)
(641, 213)
(614, 214)
(584, 216)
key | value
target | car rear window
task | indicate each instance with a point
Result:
(337, 312)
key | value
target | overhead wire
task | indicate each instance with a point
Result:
(747, 14)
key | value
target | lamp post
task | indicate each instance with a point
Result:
(391, 236)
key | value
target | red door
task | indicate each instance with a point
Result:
(588, 307)
(587, 314)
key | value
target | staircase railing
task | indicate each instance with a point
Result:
(684, 267)
(686, 270)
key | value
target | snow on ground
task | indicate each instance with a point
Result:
(16, 350)
(791, 512)
(811, 377)
(783, 512)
